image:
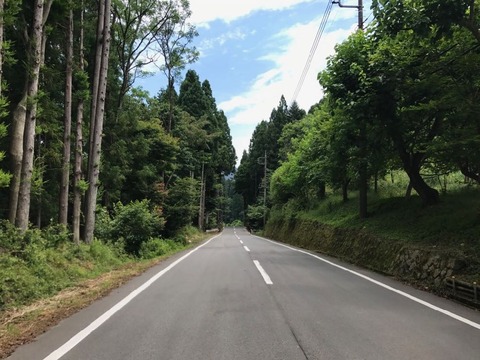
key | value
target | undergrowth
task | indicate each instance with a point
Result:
(454, 223)
(37, 264)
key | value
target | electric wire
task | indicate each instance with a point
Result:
(313, 49)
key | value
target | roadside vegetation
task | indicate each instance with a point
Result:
(44, 276)
(452, 225)
(36, 264)
(453, 222)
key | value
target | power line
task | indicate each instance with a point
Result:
(313, 49)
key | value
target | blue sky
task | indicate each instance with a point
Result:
(254, 51)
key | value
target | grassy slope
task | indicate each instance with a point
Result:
(24, 318)
(452, 226)
(451, 223)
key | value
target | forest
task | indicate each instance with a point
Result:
(401, 104)
(81, 135)
(95, 171)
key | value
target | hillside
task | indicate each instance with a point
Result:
(402, 238)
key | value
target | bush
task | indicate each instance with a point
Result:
(157, 247)
(14, 241)
(236, 223)
(40, 270)
(103, 224)
(255, 215)
(55, 235)
(135, 223)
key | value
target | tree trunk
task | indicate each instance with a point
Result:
(428, 195)
(170, 102)
(321, 192)
(77, 198)
(64, 184)
(16, 154)
(2, 6)
(468, 173)
(345, 190)
(412, 164)
(96, 125)
(408, 193)
(36, 42)
(363, 172)
(201, 210)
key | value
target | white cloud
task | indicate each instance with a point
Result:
(265, 91)
(246, 110)
(205, 11)
(241, 143)
(236, 34)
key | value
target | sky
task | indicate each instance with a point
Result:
(254, 51)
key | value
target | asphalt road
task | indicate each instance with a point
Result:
(242, 297)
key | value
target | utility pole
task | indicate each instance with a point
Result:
(264, 190)
(264, 163)
(359, 7)
(363, 170)
(201, 210)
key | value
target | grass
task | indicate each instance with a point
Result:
(74, 277)
(399, 238)
(454, 222)
(395, 222)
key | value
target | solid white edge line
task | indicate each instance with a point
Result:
(246, 249)
(76, 339)
(264, 274)
(385, 286)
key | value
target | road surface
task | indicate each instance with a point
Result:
(243, 297)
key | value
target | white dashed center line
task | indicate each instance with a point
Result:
(264, 274)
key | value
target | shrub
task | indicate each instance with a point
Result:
(157, 247)
(135, 223)
(17, 283)
(236, 223)
(103, 224)
(55, 235)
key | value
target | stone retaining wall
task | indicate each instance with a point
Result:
(426, 266)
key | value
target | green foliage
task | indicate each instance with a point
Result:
(155, 247)
(81, 85)
(267, 139)
(37, 264)
(103, 224)
(135, 224)
(255, 216)
(181, 204)
(236, 223)
(4, 176)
